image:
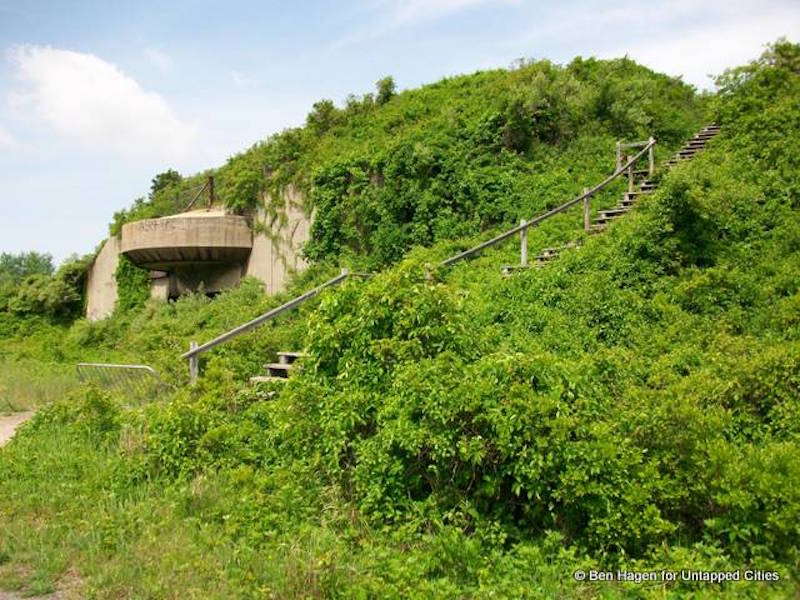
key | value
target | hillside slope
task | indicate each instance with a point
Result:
(632, 405)
(453, 158)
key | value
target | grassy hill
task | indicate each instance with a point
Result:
(632, 405)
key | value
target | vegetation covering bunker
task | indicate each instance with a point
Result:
(209, 249)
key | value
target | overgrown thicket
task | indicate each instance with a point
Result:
(387, 172)
(635, 403)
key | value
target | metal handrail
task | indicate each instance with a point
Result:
(112, 366)
(523, 226)
(260, 320)
(138, 379)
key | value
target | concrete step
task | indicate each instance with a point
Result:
(288, 358)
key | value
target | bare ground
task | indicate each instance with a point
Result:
(8, 424)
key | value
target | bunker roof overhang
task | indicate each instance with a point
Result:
(200, 237)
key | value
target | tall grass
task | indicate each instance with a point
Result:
(28, 384)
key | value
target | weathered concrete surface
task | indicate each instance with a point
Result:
(101, 287)
(194, 237)
(276, 254)
(207, 246)
(9, 424)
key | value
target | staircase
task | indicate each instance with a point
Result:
(629, 198)
(280, 371)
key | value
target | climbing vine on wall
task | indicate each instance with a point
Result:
(133, 285)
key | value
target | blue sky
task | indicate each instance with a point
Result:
(97, 97)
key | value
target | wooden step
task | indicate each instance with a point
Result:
(613, 212)
(509, 269)
(288, 358)
(604, 220)
(596, 228)
(267, 379)
(279, 370)
(555, 250)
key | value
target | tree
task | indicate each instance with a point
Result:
(321, 117)
(164, 180)
(16, 267)
(386, 89)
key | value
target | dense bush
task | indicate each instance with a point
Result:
(29, 287)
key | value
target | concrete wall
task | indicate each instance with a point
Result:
(202, 236)
(210, 247)
(101, 287)
(276, 254)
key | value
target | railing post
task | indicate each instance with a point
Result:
(619, 156)
(650, 156)
(523, 242)
(587, 216)
(630, 176)
(211, 195)
(194, 366)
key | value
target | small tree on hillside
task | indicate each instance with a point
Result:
(386, 89)
(164, 180)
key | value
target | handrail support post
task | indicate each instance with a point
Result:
(630, 177)
(523, 240)
(194, 365)
(651, 157)
(619, 156)
(587, 216)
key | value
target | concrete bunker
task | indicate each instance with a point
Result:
(206, 249)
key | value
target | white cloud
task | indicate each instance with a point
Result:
(159, 59)
(702, 51)
(680, 37)
(6, 139)
(86, 98)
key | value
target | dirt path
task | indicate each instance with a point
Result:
(9, 423)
